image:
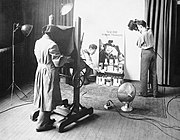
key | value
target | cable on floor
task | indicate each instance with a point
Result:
(167, 108)
(14, 107)
(148, 120)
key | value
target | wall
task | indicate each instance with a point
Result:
(101, 16)
(36, 12)
(10, 12)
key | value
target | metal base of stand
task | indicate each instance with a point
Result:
(72, 117)
(126, 108)
(13, 86)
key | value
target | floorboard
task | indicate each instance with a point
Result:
(102, 125)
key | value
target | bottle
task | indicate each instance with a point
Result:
(103, 80)
(115, 81)
(108, 81)
(106, 65)
(116, 65)
(110, 66)
(97, 79)
(100, 66)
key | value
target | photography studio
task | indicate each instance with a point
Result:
(89, 69)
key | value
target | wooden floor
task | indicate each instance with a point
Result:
(15, 123)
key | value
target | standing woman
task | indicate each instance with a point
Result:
(47, 93)
(148, 59)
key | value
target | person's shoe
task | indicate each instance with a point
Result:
(51, 122)
(46, 127)
(34, 115)
(86, 82)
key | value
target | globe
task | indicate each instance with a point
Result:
(126, 94)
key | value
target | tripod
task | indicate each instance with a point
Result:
(13, 84)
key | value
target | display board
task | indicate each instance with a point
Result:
(104, 19)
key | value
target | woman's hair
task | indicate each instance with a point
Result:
(93, 46)
(141, 22)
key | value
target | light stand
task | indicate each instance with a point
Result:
(26, 29)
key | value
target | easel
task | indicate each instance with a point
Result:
(77, 110)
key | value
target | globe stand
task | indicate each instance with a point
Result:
(126, 107)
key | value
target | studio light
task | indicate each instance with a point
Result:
(26, 30)
(66, 9)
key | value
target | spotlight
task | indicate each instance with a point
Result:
(66, 8)
(26, 30)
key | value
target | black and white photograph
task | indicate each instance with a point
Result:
(90, 69)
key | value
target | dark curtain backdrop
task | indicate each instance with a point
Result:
(36, 12)
(10, 12)
(161, 17)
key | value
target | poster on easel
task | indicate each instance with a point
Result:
(111, 50)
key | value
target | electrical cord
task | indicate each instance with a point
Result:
(28, 102)
(14, 107)
(22, 99)
(156, 123)
(131, 116)
(148, 120)
(167, 108)
(160, 123)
